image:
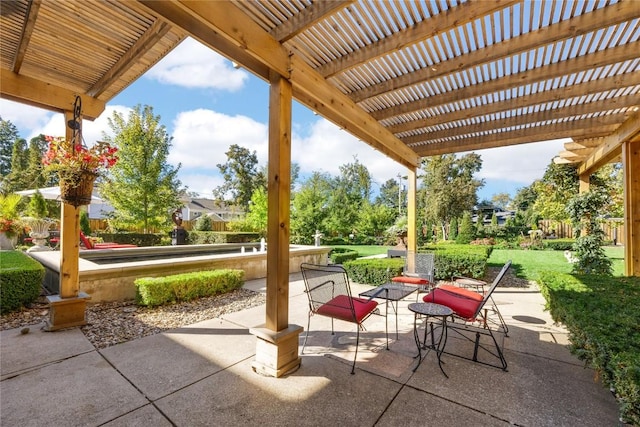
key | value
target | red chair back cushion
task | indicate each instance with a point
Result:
(462, 292)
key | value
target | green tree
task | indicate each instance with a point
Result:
(466, 233)
(310, 208)
(501, 200)
(349, 192)
(256, 216)
(388, 195)
(8, 136)
(143, 187)
(373, 220)
(241, 177)
(85, 224)
(558, 185)
(584, 210)
(37, 207)
(525, 198)
(449, 188)
(36, 177)
(453, 228)
(18, 177)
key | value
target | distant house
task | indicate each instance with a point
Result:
(486, 212)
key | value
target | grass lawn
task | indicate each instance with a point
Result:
(365, 250)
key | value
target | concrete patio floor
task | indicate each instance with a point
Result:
(201, 375)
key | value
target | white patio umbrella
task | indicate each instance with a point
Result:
(53, 193)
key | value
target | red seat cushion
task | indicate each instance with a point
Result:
(462, 292)
(410, 280)
(340, 308)
(463, 307)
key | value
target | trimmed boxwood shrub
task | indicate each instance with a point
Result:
(341, 255)
(20, 280)
(374, 271)
(558, 244)
(152, 291)
(601, 314)
(138, 239)
(208, 237)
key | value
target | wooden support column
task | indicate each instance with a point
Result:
(412, 234)
(68, 308)
(583, 182)
(631, 165)
(277, 341)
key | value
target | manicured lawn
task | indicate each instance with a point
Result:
(365, 250)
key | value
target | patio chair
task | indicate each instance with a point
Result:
(329, 293)
(469, 309)
(88, 244)
(418, 270)
(474, 288)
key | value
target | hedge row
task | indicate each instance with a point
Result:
(152, 291)
(138, 239)
(21, 278)
(207, 237)
(341, 255)
(374, 271)
(601, 314)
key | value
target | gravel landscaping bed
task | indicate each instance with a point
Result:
(117, 322)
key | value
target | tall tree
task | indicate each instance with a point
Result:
(17, 178)
(309, 208)
(449, 188)
(143, 187)
(37, 178)
(557, 186)
(350, 191)
(240, 174)
(388, 195)
(501, 200)
(8, 136)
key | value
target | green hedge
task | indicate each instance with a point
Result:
(207, 237)
(601, 314)
(152, 291)
(341, 255)
(459, 260)
(558, 244)
(20, 278)
(138, 239)
(374, 271)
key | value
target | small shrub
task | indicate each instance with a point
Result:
(21, 278)
(203, 223)
(376, 271)
(153, 291)
(340, 255)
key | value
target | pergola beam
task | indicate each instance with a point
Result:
(451, 18)
(543, 97)
(37, 93)
(219, 23)
(520, 136)
(612, 145)
(580, 64)
(305, 19)
(563, 30)
(27, 31)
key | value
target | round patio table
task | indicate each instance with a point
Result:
(437, 312)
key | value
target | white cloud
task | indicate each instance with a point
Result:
(519, 163)
(202, 137)
(25, 117)
(194, 65)
(202, 183)
(327, 147)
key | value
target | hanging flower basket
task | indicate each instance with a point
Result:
(76, 186)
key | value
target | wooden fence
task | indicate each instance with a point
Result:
(102, 224)
(613, 230)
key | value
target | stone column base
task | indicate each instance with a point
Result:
(66, 312)
(276, 352)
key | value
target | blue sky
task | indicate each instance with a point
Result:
(207, 105)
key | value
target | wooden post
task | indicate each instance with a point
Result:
(277, 341)
(68, 308)
(631, 165)
(583, 183)
(412, 234)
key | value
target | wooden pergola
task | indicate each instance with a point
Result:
(410, 78)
